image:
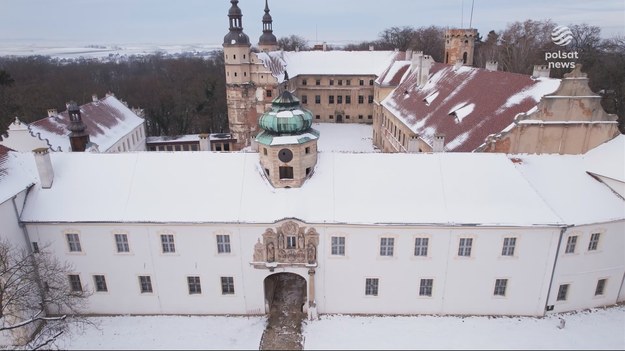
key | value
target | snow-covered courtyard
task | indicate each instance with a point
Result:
(596, 329)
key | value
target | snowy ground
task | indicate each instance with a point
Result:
(597, 329)
(344, 137)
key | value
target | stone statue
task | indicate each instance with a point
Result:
(311, 254)
(300, 239)
(271, 254)
(280, 240)
(258, 252)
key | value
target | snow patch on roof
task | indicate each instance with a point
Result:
(536, 91)
(462, 111)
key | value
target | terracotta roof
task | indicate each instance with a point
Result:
(107, 120)
(464, 103)
(393, 75)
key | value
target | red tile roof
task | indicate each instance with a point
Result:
(491, 100)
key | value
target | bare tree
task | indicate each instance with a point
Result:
(523, 45)
(35, 297)
(292, 43)
(397, 38)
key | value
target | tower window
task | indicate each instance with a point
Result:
(286, 172)
(234, 57)
(307, 150)
(464, 58)
(269, 92)
(308, 171)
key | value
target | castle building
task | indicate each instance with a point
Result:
(414, 103)
(104, 125)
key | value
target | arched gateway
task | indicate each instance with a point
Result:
(289, 250)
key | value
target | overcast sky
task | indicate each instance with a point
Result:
(335, 21)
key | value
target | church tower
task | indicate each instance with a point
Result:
(240, 92)
(287, 145)
(267, 41)
(78, 137)
(459, 46)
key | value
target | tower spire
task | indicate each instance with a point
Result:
(267, 41)
(236, 36)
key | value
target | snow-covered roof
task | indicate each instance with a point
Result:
(575, 196)
(107, 120)
(327, 62)
(607, 159)
(465, 104)
(173, 139)
(15, 173)
(368, 188)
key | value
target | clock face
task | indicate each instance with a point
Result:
(285, 155)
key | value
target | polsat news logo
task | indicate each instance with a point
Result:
(561, 36)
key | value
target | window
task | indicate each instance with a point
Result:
(286, 172)
(600, 287)
(331, 99)
(304, 99)
(570, 244)
(508, 246)
(421, 246)
(348, 82)
(291, 242)
(267, 171)
(35, 247)
(74, 283)
(369, 117)
(361, 82)
(340, 82)
(331, 116)
(121, 241)
(386, 246)
(74, 242)
(194, 285)
(304, 82)
(371, 286)
(594, 241)
(223, 243)
(339, 99)
(361, 99)
(347, 116)
(317, 117)
(307, 170)
(167, 241)
(359, 116)
(370, 81)
(317, 99)
(331, 81)
(562, 292)
(464, 249)
(227, 285)
(307, 150)
(370, 100)
(338, 245)
(269, 93)
(145, 282)
(100, 283)
(318, 82)
(348, 99)
(500, 287)
(425, 289)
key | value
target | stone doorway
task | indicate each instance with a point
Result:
(285, 296)
(339, 118)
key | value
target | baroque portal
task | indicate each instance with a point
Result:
(287, 244)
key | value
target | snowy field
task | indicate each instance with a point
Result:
(101, 51)
(344, 137)
(596, 329)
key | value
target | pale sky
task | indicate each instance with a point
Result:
(163, 22)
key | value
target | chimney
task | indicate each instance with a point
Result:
(424, 71)
(44, 167)
(413, 144)
(370, 47)
(457, 65)
(94, 98)
(409, 55)
(439, 143)
(541, 71)
(297, 49)
(415, 61)
(52, 112)
(204, 142)
(325, 46)
(492, 65)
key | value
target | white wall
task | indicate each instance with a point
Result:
(583, 268)
(461, 285)
(133, 141)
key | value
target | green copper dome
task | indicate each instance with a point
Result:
(286, 116)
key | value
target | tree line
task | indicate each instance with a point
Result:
(182, 95)
(185, 95)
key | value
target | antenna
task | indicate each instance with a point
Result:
(471, 20)
(462, 14)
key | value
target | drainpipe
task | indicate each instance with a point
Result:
(553, 270)
(29, 249)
